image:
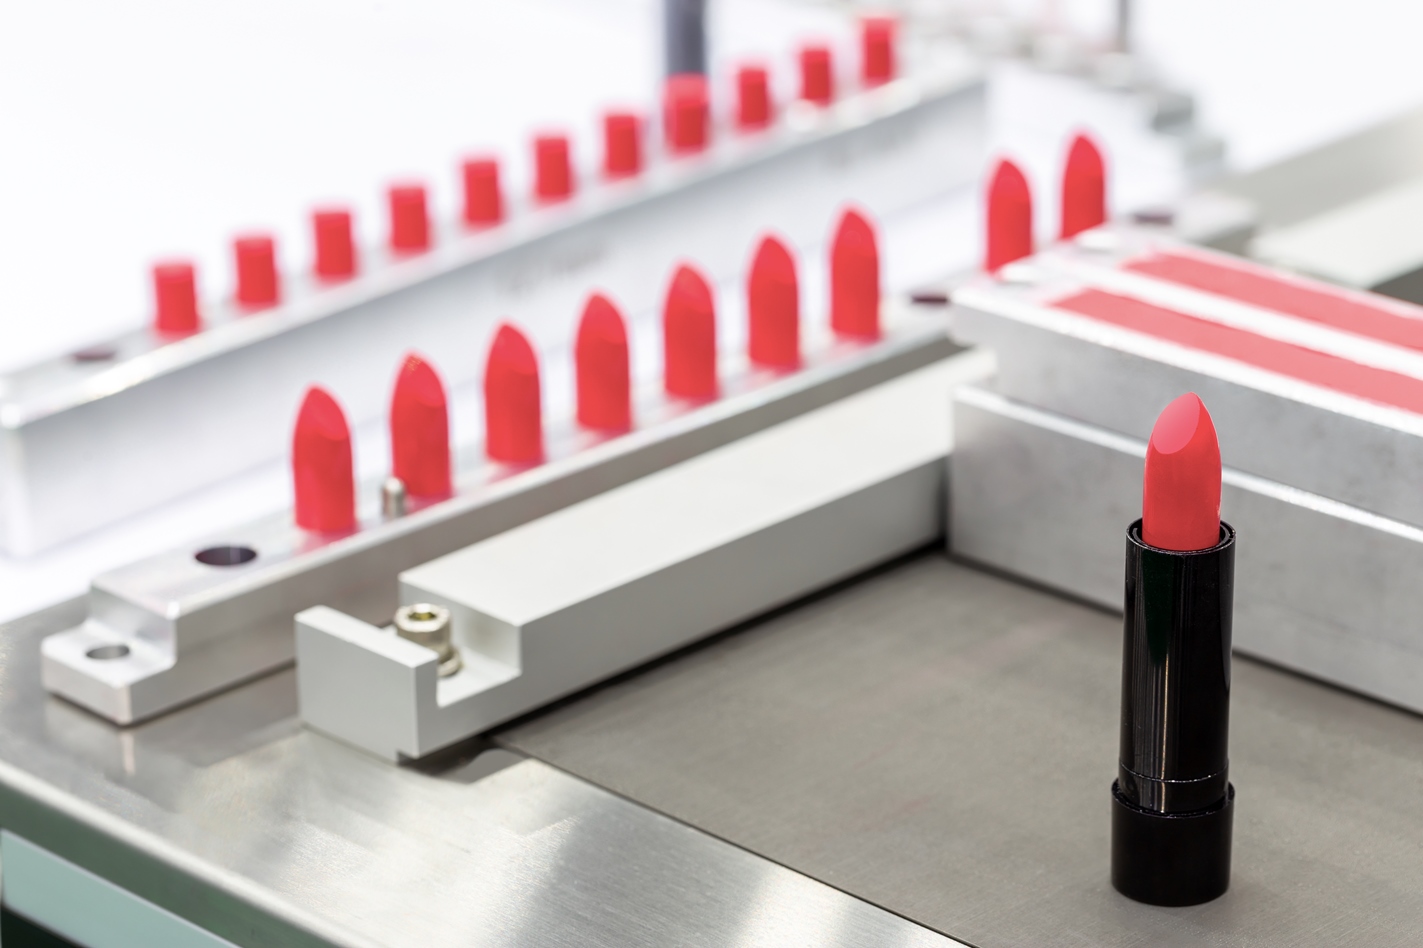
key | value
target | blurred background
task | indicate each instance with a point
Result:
(135, 129)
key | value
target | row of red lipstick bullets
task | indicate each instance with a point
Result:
(687, 129)
(419, 420)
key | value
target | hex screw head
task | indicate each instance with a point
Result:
(427, 624)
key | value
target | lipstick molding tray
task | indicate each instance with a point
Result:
(573, 597)
(171, 628)
(85, 443)
(1321, 587)
(1317, 397)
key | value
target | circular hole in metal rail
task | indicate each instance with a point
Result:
(106, 653)
(94, 354)
(226, 555)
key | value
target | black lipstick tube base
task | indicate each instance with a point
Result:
(1171, 859)
(1172, 801)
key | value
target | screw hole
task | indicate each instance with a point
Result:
(106, 653)
(100, 353)
(225, 555)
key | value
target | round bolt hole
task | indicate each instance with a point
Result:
(107, 653)
(226, 555)
(94, 354)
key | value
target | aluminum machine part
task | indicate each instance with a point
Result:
(1343, 212)
(80, 439)
(174, 627)
(580, 595)
(1353, 442)
(1321, 587)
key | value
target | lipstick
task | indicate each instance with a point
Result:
(753, 98)
(601, 367)
(483, 199)
(258, 285)
(685, 113)
(409, 218)
(175, 297)
(1009, 234)
(622, 145)
(817, 78)
(553, 169)
(323, 478)
(689, 337)
(1084, 188)
(513, 417)
(854, 278)
(420, 430)
(773, 305)
(335, 247)
(1172, 802)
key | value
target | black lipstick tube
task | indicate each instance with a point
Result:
(1172, 801)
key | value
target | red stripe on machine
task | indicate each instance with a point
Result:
(1283, 358)
(1319, 304)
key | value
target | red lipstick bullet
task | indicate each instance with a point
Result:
(335, 247)
(689, 338)
(409, 219)
(773, 304)
(601, 364)
(685, 113)
(175, 297)
(877, 50)
(1172, 802)
(1180, 507)
(622, 145)
(257, 283)
(1084, 188)
(513, 420)
(817, 79)
(553, 169)
(1010, 217)
(420, 430)
(483, 199)
(854, 278)
(321, 466)
(753, 98)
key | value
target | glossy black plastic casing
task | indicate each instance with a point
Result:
(1172, 801)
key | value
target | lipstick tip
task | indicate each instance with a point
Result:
(753, 97)
(854, 278)
(322, 471)
(1084, 188)
(773, 305)
(817, 75)
(513, 420)
(175, 297)
(553, 168)
(689, 337)
(335, 245)
(483, 199)
(1180, 507)
(420, 430)
(1010, 217)
(601, 365)
(622, 144)
(684, 110)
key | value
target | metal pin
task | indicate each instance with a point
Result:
(429, 625)
(392, 498)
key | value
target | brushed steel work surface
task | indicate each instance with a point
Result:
(233, 817)
(941, 742)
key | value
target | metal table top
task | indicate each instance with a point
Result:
(931, 739)
(941, 742)
(230, 815)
